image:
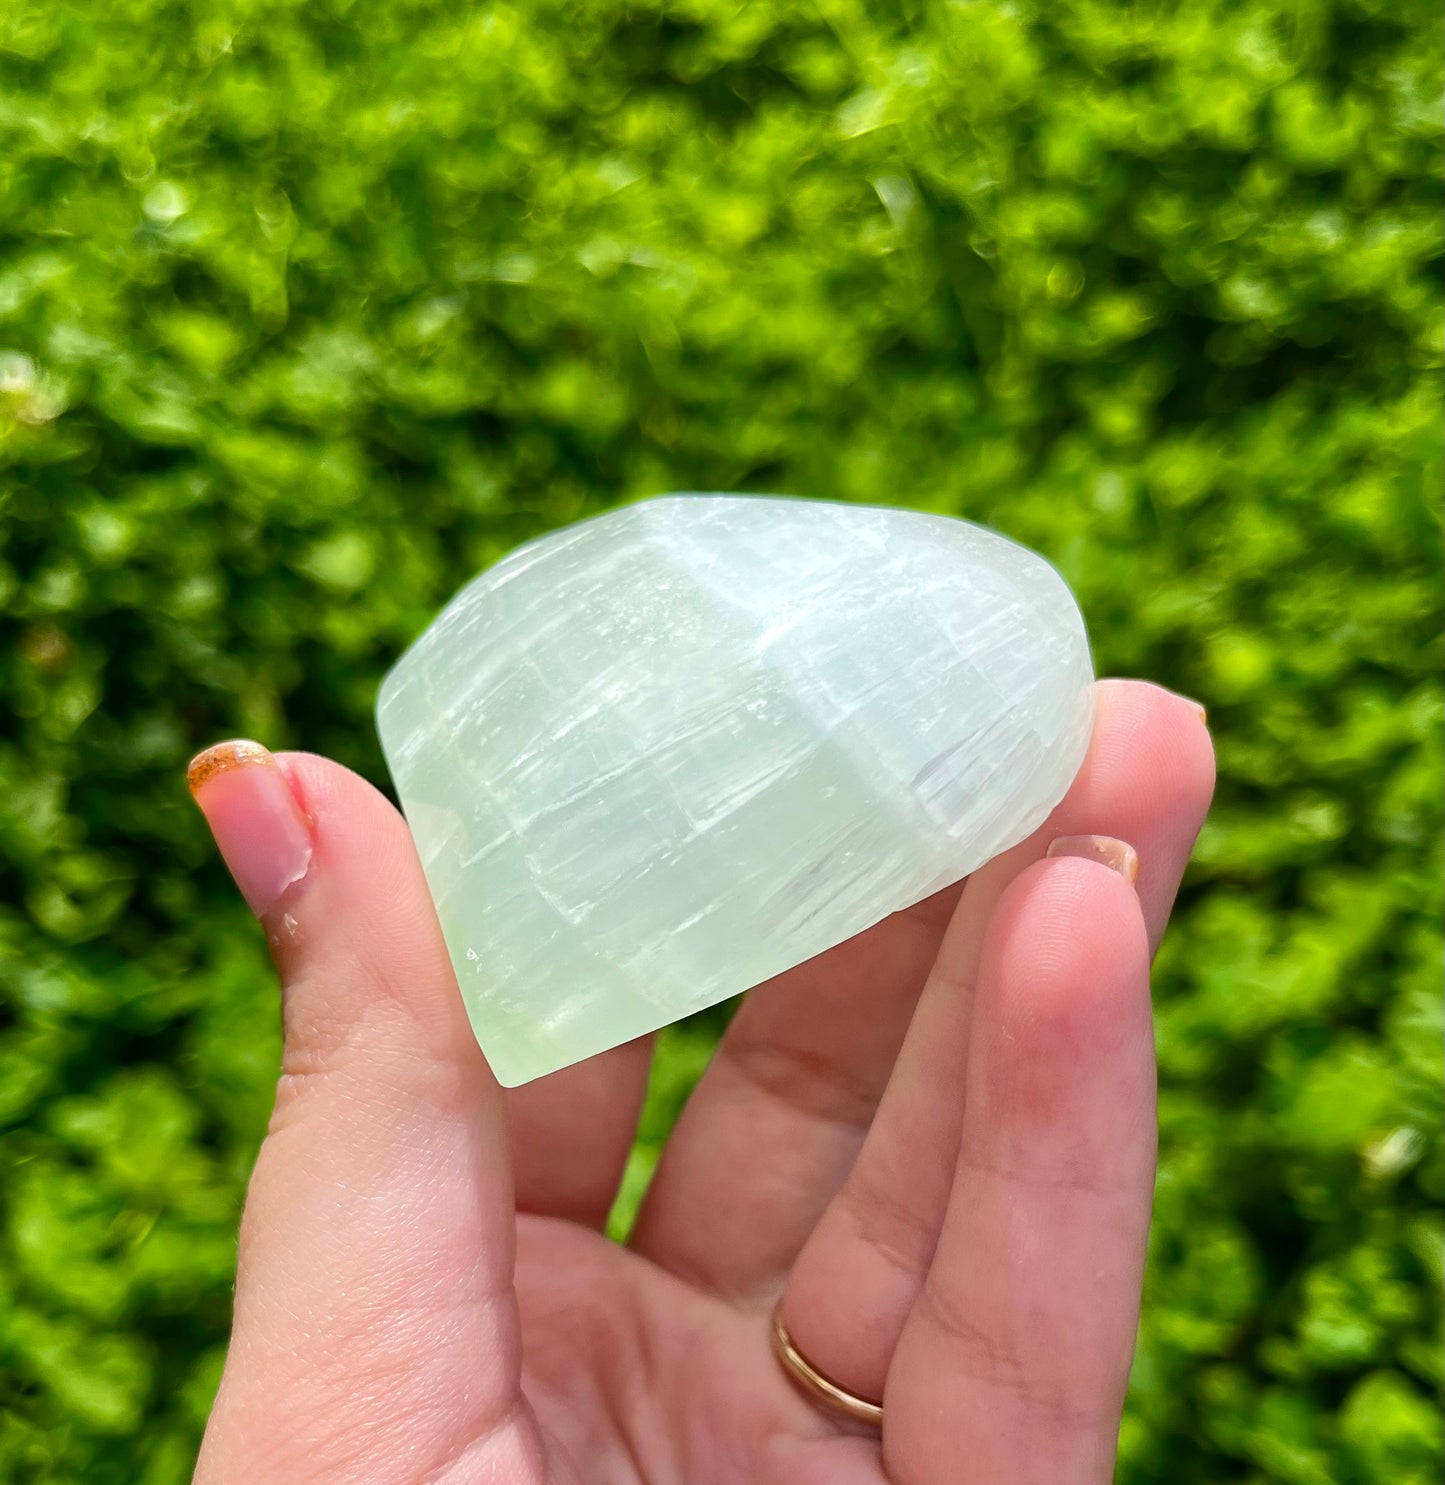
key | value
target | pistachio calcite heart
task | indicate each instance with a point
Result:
(663, 755)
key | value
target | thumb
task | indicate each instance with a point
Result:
(375, 1331)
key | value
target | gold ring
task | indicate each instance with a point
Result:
(814, 1383)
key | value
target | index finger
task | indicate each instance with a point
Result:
(1016, 1354)
(1147, 780)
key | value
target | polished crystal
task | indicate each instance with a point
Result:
(658, 757)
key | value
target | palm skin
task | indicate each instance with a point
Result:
(935, 1143)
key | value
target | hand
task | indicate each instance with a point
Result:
(935, 1142)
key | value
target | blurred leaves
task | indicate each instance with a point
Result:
(307, 312)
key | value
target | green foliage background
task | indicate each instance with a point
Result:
(307, 311)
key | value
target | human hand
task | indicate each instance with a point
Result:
(934, 1142)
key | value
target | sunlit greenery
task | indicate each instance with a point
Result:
(307, 311)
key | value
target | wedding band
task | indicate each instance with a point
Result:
(814, 1383)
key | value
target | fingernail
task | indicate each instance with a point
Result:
(258, 825)
(1197, 705)
(1117, 855)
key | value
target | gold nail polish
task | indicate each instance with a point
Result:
(1117, 855)
(222, 756)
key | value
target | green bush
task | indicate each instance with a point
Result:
(307, 311)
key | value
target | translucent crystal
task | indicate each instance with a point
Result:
(658, 757)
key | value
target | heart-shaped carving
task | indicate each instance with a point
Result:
(663, 755)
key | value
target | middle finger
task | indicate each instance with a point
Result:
(772, 1128)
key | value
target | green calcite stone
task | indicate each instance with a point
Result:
(660, 756)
